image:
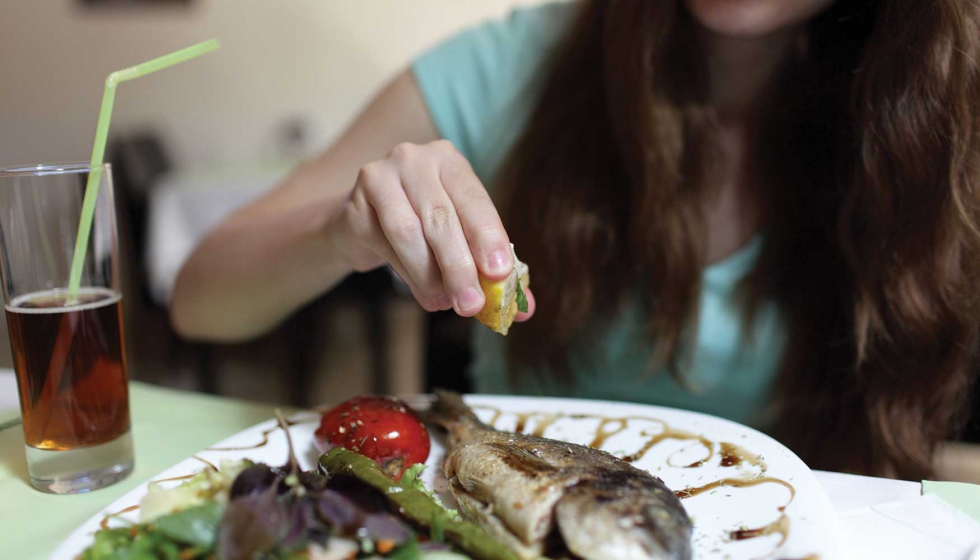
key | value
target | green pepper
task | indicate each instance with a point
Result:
(415, 505)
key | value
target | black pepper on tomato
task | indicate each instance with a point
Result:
(382, 428)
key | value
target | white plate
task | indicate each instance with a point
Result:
(807, 518)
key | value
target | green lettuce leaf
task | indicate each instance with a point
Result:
(195, 526)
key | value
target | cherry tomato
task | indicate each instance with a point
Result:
(382, 428)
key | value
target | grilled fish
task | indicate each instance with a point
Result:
(544, 497)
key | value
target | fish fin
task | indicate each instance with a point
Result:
(530, 460)
(483, 515)
(449, 409)
(476, 488)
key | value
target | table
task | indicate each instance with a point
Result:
(168, 425)
(180, 423)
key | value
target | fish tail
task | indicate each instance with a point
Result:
(451, 413)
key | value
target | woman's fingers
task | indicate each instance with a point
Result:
(485, 234)
(403, 239)
(424, 211)
(362, 237)
(441, 226)
(442, 303)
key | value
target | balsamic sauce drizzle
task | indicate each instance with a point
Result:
(266, 433)
(105, 520)
(731, 455)
(779, 526)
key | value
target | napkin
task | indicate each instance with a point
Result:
(9, 405)
(960, 494)
(921, 527)
(851, 491)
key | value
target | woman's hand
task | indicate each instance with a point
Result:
(420, 208)
(423, 211)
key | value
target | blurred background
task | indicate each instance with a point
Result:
(192, 144)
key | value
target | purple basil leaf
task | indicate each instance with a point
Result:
(294, 527)
(364, 497)
(433, 546)
(339, 511)
(253, 480)
(380, 526)
(251, 525)
(313, 481)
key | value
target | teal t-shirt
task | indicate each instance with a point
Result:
(480, 88)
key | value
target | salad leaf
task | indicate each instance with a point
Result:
(194, 526)
(521, 298)
(250, 526)
(411, 480)
(253, 480)
(206, 486)
(107, 543)
(407, 551)
(139, 543)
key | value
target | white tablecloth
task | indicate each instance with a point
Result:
(184, 206)
(879, 518)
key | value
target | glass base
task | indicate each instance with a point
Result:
(81, 470)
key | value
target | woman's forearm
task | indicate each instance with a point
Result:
(276, 255)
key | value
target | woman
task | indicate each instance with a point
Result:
(761, 209)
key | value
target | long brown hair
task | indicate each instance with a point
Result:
(869, 167)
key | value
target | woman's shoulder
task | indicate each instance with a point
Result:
(519, 37)
(482, 74)
(524, 27)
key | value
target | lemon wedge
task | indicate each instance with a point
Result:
(502, 297)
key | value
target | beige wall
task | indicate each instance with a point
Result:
(315, 59)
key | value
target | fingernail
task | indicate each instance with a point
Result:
(500, 262)
(468, 300)
(443, 302)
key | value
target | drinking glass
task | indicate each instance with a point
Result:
(68, 348)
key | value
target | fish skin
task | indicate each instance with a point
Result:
(525, 490)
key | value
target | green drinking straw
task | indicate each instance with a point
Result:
(98, 150)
